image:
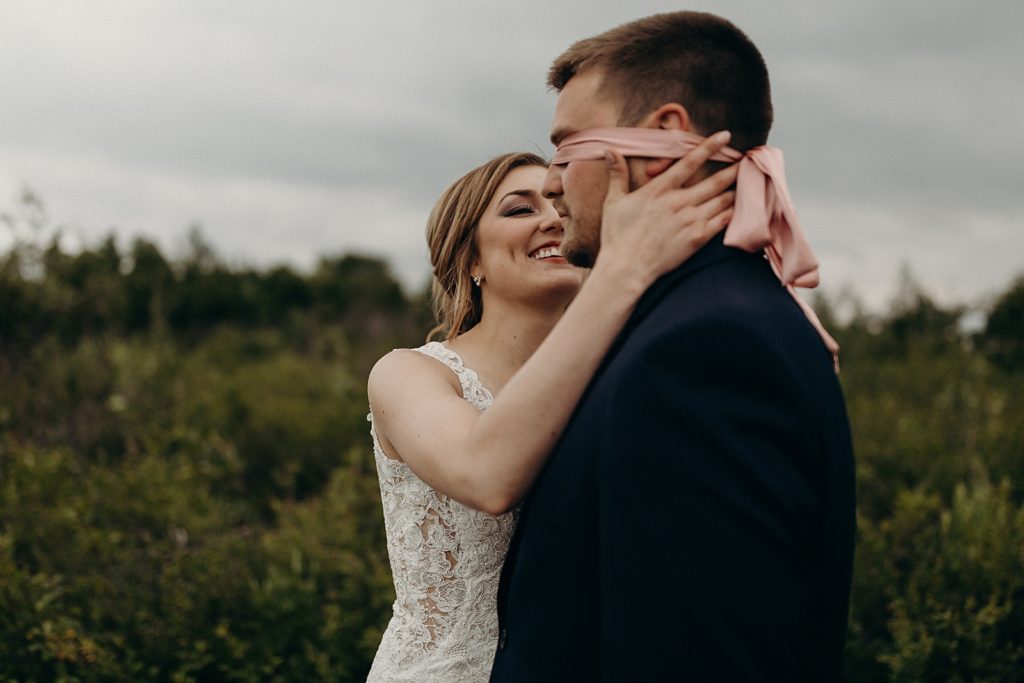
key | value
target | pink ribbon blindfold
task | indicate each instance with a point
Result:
(763, 217)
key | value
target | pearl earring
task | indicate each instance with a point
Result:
(477, 280)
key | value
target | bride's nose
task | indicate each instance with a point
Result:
(551, 221)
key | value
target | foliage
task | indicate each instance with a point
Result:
(938, 590)
(187, 491)
(1004, 334)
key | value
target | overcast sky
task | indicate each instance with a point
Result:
(293, 130)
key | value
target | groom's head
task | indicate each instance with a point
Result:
(688, 70)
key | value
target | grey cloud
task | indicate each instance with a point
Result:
(292, 129)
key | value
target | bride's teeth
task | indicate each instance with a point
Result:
(547, 253)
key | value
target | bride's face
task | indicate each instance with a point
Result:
(518, 242)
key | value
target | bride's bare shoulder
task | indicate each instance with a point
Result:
(402, 371)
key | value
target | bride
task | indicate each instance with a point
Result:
(462, 427)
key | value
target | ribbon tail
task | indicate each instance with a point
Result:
(830, 343)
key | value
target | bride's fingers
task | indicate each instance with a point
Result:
(683, 169)
(708, 229)
(718, 203)
(685, 243)
(719, 221)
(711, 186)
(618, 176)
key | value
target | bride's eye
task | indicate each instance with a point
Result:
(521, 210)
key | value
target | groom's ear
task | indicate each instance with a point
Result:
(669, 116)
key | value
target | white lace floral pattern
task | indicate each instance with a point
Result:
(445, 561)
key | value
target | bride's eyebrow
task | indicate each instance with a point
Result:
(518, 193)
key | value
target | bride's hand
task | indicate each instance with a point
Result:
(653, 229)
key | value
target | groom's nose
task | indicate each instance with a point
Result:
(552, 186)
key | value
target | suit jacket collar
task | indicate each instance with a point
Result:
(712, 252)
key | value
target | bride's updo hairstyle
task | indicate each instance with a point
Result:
(451, 237)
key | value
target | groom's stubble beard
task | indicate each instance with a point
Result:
(582, 240)
(580, 247)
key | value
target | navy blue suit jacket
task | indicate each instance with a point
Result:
(696, 520)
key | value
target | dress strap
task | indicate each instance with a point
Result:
(473, 389)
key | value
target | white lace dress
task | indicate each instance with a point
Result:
(446, 562)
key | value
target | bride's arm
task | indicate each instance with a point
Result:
(489, 459)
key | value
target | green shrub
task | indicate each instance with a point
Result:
(939, 591)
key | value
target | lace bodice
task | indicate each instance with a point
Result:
(445, 561)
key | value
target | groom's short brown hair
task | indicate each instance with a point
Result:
(699, 60)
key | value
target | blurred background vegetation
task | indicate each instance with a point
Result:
(187, 491)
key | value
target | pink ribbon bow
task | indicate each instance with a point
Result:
(763, 216)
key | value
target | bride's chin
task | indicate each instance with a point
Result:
(543, 288)
(564, 286)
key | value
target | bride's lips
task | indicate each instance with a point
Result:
(553, 245)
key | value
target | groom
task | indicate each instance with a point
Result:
(696, 520)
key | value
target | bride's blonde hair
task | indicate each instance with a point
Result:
(451, 237)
